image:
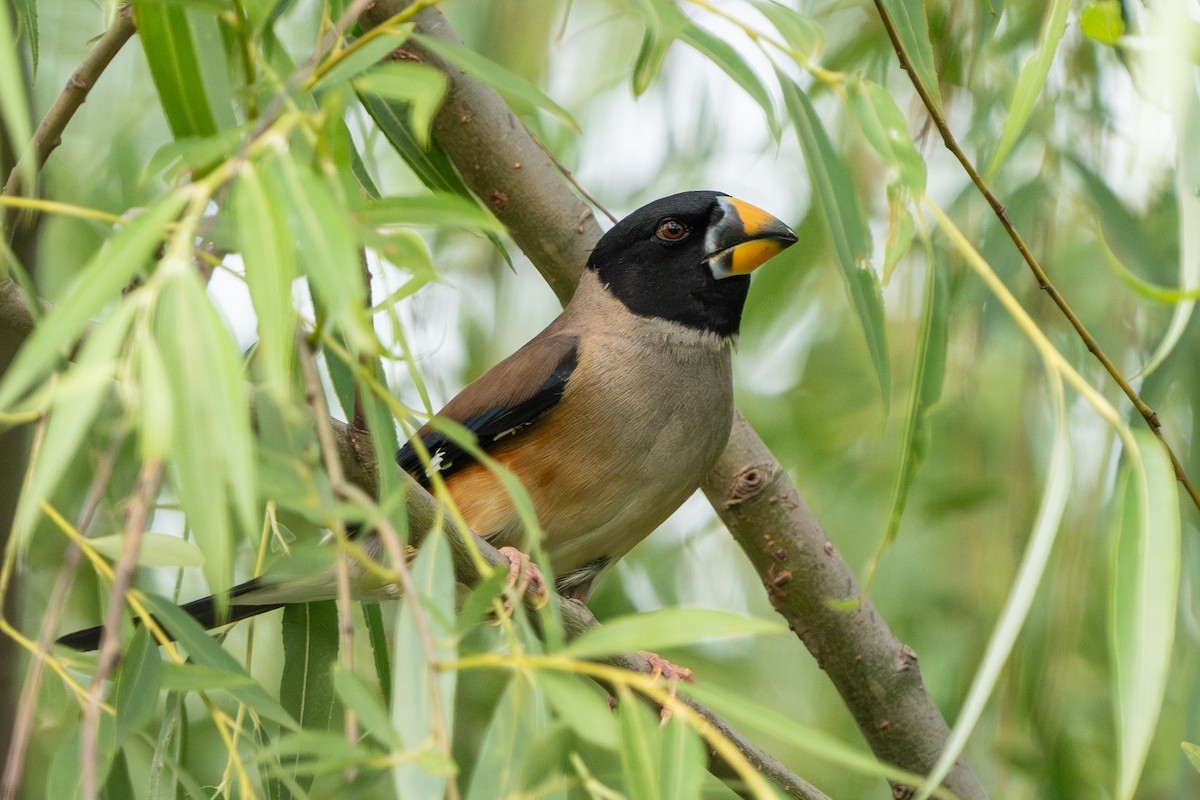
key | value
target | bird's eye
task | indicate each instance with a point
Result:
(671, 230)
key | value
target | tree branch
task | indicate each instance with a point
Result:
(883, 690)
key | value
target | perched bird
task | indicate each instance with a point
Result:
(611, 416)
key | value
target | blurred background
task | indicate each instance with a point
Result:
(1092, 180)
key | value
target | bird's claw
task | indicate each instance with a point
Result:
(660, 666)
(525, 577)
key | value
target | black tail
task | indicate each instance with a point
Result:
(203, 611)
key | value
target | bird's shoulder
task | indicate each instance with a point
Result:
(502, 403)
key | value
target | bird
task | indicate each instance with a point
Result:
(610, 417)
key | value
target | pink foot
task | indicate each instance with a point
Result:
(660, 666)
(524, 575)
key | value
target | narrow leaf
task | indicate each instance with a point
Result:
(682, 762)
(503, 80)
(27, 18)
(205, 651)
(1030, 83)
(327, 250)
(723, 54)
(913, 28)
(166, 36)
(439, 209)
(422, 696)
(669, 627)
(798, 30)
(138, 678)
(269, 255)
(204, 372)
(1144, 603)
(367, 705)
(363, 56)
(14, 111)
(98, 283)
(157, 550)
(506, 746)
(641, 746)
(77, 402)
(418, 86)
(884, 127)
(846, 222)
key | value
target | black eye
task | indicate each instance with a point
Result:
(671, 230)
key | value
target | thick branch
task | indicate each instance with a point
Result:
(884, 690)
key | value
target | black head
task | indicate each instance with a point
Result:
(687, 258)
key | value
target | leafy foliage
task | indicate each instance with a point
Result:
(252, 184)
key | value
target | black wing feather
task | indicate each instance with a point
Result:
(490, 426)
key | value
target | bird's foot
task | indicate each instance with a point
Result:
(524, 575)
(660, 666)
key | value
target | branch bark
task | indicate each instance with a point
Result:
(883, 689)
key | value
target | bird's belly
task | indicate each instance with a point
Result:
(604, 472)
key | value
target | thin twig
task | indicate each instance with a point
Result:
(315, 395)
(136, 517)
(1035, 267)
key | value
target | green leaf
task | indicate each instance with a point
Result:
(884, 127)
(14, 110)
(506, 746)
(723, 54)
(196, 153)
(139, 678)
(205, 651)
(743, 713)
(798, 31)
(204, 372)
(310, 651)
(366, 55)
(268, 252)
(510, 85)
(157, 550)
(682, 762)
(419, 87)
(1030, 83)
(1193, 754)
(77, 401)
(913, 28)
(641, 746)
(1101, 21)
(1185, 114)
(928, 371)
(317, 753)
(428, 161)
(100, 282)
(664, 23)
(439, 209)
(668, 627)
(379, 652)
(166, 36)
(191, 677)
(419, 690)
(27, 19)
(156, 422)
(367, 705)
(847, 224)
(1143, 603)
(582, 706)
(328, 251)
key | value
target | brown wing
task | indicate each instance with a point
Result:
(501, 404)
